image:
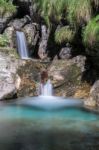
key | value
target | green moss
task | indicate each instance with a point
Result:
(9, 51)
(74, 75)
(4, 41)
(64, 34)
(6, 6)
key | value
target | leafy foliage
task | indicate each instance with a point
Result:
(6, 6)
(64, 34)
(91, 33)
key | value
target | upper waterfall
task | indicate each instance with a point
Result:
(22, 46)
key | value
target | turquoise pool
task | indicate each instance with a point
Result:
(29, 128)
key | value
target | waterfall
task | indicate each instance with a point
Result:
(47, 89)
(21, 43)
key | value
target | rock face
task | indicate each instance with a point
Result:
(18, 24)
(66, 76)
(8, 77)
(32, 35)
(18, 77)
(93, 99)
(42, 52)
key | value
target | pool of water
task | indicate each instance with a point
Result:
(29, 128)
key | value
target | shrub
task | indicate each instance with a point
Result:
(91, 33)
(51, 10)
(64, 34)
(6, 6)
(79, 11)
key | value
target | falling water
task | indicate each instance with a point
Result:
(47, 89)
(22, 47)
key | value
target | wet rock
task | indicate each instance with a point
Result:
(94, 95)
(18, 78)
(43, 42)
(32, 34)
(66, 76)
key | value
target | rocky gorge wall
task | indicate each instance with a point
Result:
(73, 73)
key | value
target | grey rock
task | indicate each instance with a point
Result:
(8, 76)
(66, 75)
(18, 24)
(32, 34)
(43, 42)
(65, 53)
(18, 77)
(94, 95)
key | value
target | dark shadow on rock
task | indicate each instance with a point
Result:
(91, 73)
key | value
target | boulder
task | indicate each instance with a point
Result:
(65, 53)
(9, 32)
(18, 24)
(66, 76)
(32, 34)
(42, 51)
(18, 78)
(93, 99)
(7, 77)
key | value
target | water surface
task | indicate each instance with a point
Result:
(27, 128)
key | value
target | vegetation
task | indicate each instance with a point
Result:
(4, 41)
(6, 7)
(79, 12)
(74, 13)
(91, 33)
(51, 10)
(64, 34)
